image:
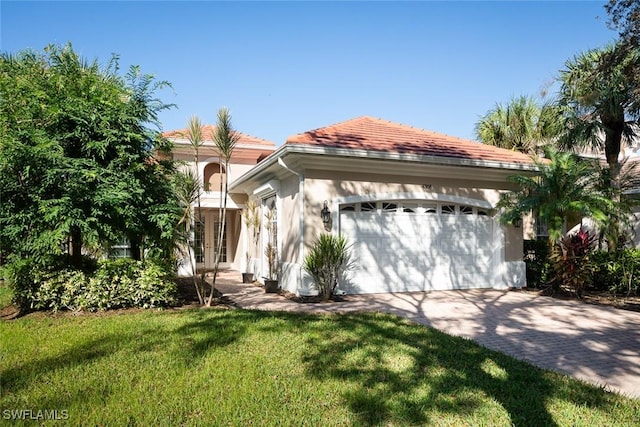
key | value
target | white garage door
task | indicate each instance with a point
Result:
(417, 246)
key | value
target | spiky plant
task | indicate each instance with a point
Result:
(328, 260)
(225, 139)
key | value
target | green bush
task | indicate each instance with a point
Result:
(124, 282)
(19, 276)
(617, 272)
(572, 263)
(536, 258)
(119, 283)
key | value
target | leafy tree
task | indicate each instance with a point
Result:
(565, 187)
(78, 164)
(520, 125)
(225, 139)
(625, 17)
(597, 96)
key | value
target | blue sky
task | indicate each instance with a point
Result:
(288, 67)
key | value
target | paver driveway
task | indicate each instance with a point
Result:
(597, 344)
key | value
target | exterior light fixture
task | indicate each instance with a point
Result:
(517, 223)
(325, 214)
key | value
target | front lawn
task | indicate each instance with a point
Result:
(234, 367)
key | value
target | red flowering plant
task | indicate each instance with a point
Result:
(571, 261)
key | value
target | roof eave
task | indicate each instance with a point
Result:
(298, 148)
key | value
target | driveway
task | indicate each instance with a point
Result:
(597, 344)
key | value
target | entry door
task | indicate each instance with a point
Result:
(209, 233)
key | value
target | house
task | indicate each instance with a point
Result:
(209, 169)
(417, 206)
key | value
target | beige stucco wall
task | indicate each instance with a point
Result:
(289, 219)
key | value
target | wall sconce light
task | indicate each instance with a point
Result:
(325, 214)
(517, 223)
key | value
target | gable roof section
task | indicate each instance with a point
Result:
(372, 134)
(207, 136)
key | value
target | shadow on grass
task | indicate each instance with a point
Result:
(188, 339)
(406, 374)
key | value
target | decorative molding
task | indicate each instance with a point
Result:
(267, 189)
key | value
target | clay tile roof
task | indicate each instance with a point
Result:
(207, 136)
(369, 133)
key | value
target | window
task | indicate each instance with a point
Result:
(388, 207)
(416, 206)
(271, 219)
(542, 227)
(448, 209)
(368, 207)
(122, 249)
(466, 210)
(223, 250)
(431, 208)
(198, 241)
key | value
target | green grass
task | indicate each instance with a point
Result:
(233, 367)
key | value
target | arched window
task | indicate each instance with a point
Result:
(214, 174)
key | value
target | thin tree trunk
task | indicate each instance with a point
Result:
(613, 142)
(222, 214)
(203, 273)
(76, 246)
(136, 249)
(196, 282)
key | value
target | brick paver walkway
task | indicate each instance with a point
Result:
(596, 344)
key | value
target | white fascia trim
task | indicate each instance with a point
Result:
(378, 155)
(419, 158)
(257, 169)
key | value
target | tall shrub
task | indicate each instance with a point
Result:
(328, 260)
(116, 283)
(571, 261)
(617, 271)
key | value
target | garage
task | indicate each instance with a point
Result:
(417, 206)
(417, 245)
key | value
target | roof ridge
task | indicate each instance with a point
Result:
(210, 127)
(340, 123)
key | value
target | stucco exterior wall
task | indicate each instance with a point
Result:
(289, 219)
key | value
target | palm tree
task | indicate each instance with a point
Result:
(565, 187)
(188, 188)
(597, 96)
(194, 135)
(225, 140)
(521, 125)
